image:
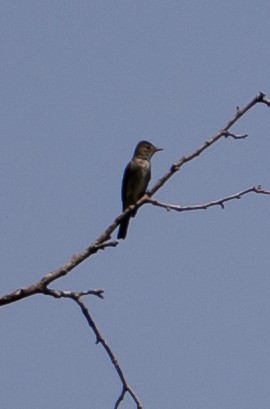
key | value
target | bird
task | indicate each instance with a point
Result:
(136, 177)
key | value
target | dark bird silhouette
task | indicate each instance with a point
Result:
(136, 177)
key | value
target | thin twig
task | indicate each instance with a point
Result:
(101, 340)
(235, 136)
(219, 202)
(73, 294)
(260, 98)
(76, 297)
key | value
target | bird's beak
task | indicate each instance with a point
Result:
(158, 149)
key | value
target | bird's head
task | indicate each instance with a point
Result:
(146, 149)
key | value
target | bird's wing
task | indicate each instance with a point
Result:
(134, 183)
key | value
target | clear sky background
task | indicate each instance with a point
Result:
(187, 303)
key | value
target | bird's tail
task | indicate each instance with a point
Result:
(122, 232)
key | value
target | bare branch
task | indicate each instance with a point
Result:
(219, 202)
(76, 260)
(20, 294)
(41, 286)
(235, 136)
(260, 98)
(101, 340)
(120, 399)
(264, 99)
(73, 294)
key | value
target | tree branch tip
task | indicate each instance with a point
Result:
(262, 98)
(100, 293)
(102, 246)
(234, 136)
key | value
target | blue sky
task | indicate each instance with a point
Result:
(186, 307)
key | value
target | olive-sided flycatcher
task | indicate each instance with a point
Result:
(135, 180)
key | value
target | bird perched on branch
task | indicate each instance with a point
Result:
(136, 177)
